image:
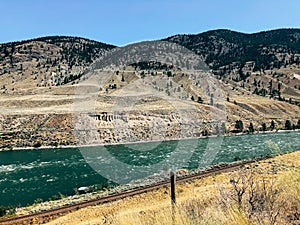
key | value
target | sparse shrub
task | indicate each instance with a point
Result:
(38, 200)
(37, 144)
(7, 210)
(204, 133)
(55, 144)
(57, 197)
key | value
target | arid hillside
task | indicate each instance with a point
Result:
(46, 62)
(55, 91)
(264, 63)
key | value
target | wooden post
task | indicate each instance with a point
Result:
(173, 194)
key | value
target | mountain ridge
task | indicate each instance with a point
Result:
(50, 38)
(234, 57)
(248, 43)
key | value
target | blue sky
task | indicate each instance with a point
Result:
(123, 22)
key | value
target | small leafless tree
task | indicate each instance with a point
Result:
(258, 198)
(263, 201)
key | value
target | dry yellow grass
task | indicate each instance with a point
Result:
(210, 200)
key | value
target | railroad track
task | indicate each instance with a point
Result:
(46, 216)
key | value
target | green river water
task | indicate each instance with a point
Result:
(26, 175)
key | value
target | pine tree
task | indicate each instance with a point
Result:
(263, 127)
(272, 127)
(200, 100)
(251, 128)
(239, 126)
(288, 125)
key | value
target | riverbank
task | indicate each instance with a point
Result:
(43, 131)
(147, 141)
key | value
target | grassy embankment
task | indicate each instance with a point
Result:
(263, 193)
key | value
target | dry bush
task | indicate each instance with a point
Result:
(262, 199)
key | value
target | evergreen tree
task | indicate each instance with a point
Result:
(288, 125)
(200, 100)
(223, 128)
(211, 100)
(251, 128)
(270, 87)
(239, 126)
(263, 127)
(272, 127)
